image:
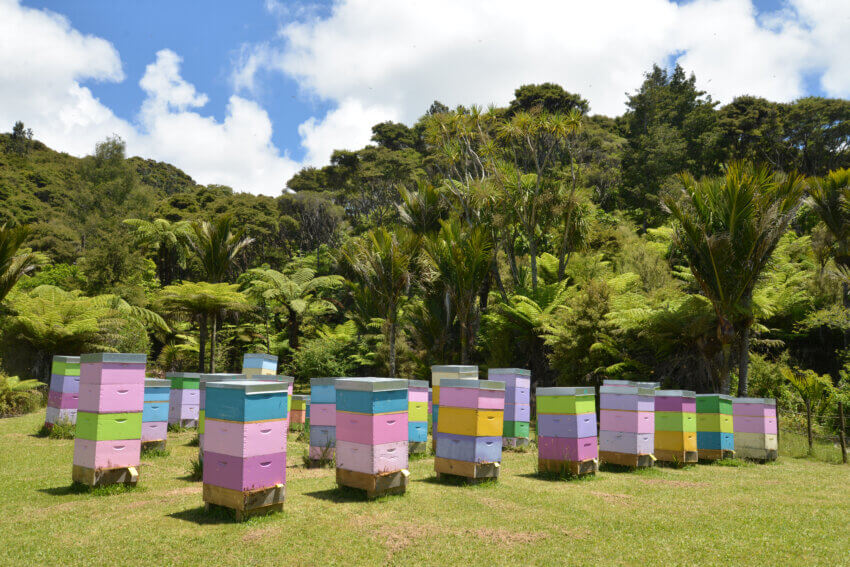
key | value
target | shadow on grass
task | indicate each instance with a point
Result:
(340, 495)
(620, 469)
(78, 488)
(420, 456)
(203, 517)
(556, 476)
(452, 480)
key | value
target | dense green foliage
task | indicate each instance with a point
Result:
(701, 245)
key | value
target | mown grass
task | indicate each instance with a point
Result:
(791, 512)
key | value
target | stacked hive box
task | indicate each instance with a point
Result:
(627, 425)
(676, 426)
(469, 431)
(63, 398)
(754, 422)
(258, 364)
(630, 383)
(517, 403)
(107, 448)
(566, 431)
(184, 402)
(245, 446)
(371, 434)
(323, 420)
(715, 433)
(439, 373)
(203, 381)
(299, 409)
(417, 416)
(155, 413)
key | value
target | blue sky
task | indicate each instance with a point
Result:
(246, 92)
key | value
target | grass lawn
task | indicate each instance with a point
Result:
(794, 511)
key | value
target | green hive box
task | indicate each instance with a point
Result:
(718, 422)
(714, 404)
(675, 421)
(566, 404)
(62, 367)
(516, 429)
(109, 426)
(185, 382)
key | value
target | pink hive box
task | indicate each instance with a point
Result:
(154, 431)
(629, 421)
(60, 400)
(323, 414)
(417, 395)
(473, 397)
(107, 454)
(112, 373)
(111, 398)
(372, 459)
(371, 428)
(763, 407)
(240, 439)
(567, 449)
(754, 424)
(675, 403)
(243, 474)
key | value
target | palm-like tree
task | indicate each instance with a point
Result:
(167, 241)
(461, 256)
(217, 246)
(829, 197)
(813, 389)
(383, 263)
(14, 264)
(203, 302)
(727, 228)
(296, 296)
(422, 210)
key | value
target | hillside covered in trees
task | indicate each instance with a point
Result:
(701, 245)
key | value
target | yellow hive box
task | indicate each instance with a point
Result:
(417, 411)
(249, 372)
(466, 421)
(672, 440)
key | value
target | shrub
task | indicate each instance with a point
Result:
(18, 397)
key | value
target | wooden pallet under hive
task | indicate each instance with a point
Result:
(248, 503)
(375, 485)
(627, 459)
(103, 477)
(573, 468)
(465, 469)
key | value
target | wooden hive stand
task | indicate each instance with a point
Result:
(473, 472)
(570, 468)
(627, 459)
(104, 477)
(715, 454)
(375, 485)
(678, 458)
(759, 455)
(245, 504)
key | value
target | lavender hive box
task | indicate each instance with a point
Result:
(567, 448)
(469, 448)
(517, 412)
(512, 377)
(630, 421)
(574, 426)
(371, 429)
(627, 402)
(322, 436)
(65, 384)
(371, 459)
(624, 442)
(107, 454)
(754, 424)
(182, 412)
(244, 474)
(111, 397)
(184, 397)
(518, 395)
(764, 407)
(154, 431)
(238, 439)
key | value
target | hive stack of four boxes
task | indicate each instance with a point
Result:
(155, 414)
(756, 428)
(627, 423)
(517, 404)
(439, 373)
(676, 426)
(63, 397)
(566, 428)
(417, 416)
(715, 433)
(322, 421)
(184, 402)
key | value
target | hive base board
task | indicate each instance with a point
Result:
(158, 445)
(375, 485)
(627, 459)
(466, 469)
(515, 441)
(762, 455)
(245, 504)
(676, 457)
(573, 468)
(417, 447)
(715, 454)
(104, 477)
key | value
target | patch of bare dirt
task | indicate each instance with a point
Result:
(258, 534)
(612, 498)
(498, 504)
(184, 491)
(576, 533)
(505, 537)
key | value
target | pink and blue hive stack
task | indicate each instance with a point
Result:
(443, 372)
(108, 440)
(245, 445)
(63, 397)
(184, 402)
(371, 434)
(322, 420)
(755, 425)
(627, 424)
(155, 413)
(417, 416)
(676, 426)
(566, 431)
(517, 404)
(203, 381)
(469, 431)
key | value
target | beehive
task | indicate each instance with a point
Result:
(299, 409)
(245, 445)
(258, 364)
(203, 380)
(627, 425)
(322, 420)
(63, 396)
(371, 434)
(446, 372)
(755, 426)
(417, 416)
(469, 431)
(566, 430)
(517, 403)
(107, 447)
(184, 403)
(715, 431)
(676, 426)
(155, 413)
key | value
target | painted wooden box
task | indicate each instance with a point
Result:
(370, 458)
(155, 411)
(472, 394)
(565, 400)
(65, 365)
(715, 441)
(65, 384)
(609, 400)
(756, 407)
(254, 363)
(519, 429)
(470, 449)
(111, 398)
(109, 426)
(517, 412)
(466, 421)
(248, 400)
(380, 401)
(512, 377)
(675, 401)
(154, 431)
(322, 435)
(239, 439)
(675, 440)
(625, 442)
(112, 368)
(567, 425)
(323, 414)
(61, 400)
(719, 422)
(372, 428)
(184, 380)
(567, 448)
(675, 421)
(714, 403)
(107, 454)
(622, 420)
(323, 390)
(417, 431)
(244, 474)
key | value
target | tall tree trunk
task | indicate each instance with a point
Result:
(212, 342)
(202, 342)
(464, 331)
(809, 424)
(744, 363)
(393, 326)
(532, 250)
(725, 370)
